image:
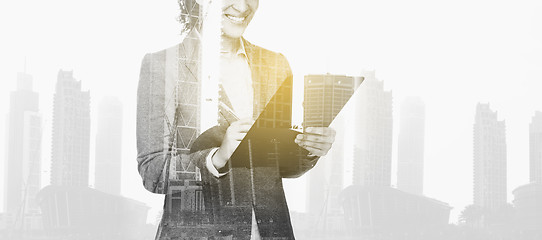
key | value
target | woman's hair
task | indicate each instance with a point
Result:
(190, 14)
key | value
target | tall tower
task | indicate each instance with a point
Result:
(109, 146)
(410, 154)
(535, 148)
(22, 175)
(325, 96)
(489, 159)
(373, 141)
(71, 132)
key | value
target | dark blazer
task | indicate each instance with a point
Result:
(197, 204)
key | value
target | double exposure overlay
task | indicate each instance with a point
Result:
(270, 120)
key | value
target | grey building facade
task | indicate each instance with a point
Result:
(108, 155)
(71, 132)
(23, 163)
(410, 153)
(373, 141)
(324, 97)
(489, 159)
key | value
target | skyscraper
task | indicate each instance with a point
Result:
(373, 140)
(71, 132)
(22, 174)
(325, 96)
(109, 146)
(489, 159)
(535, 148)
(410, 154)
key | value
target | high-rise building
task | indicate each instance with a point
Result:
(23, 165)
(489, 159)
(324, 97)
(109, 146)
(535, 148)
(410, 154)
(71, 132)
(373, 133)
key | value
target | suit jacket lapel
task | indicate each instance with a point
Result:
(254, 64)
(264, 84)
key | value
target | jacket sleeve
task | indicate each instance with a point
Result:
(154, 151)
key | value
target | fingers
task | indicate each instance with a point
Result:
(317, 135)
(317, 140)
(241, 126)
(320, 150)
(317, 145)
(238, 136)
(325, 131)
(234, 135)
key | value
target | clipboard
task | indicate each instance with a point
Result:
(269, 142)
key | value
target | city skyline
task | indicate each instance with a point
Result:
(535, 117)
(486, 126)
(32, 208)
(447, 61)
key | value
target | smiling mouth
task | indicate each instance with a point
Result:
(234, 19)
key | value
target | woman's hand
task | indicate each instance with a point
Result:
(316, 140)
(234, 134)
